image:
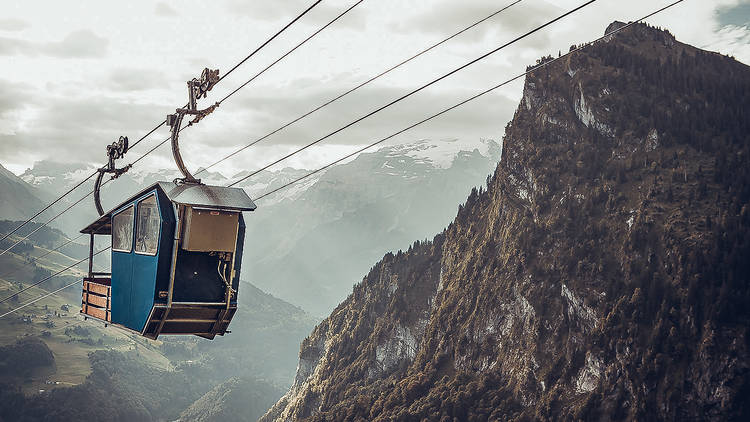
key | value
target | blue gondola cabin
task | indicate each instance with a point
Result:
(176, 258)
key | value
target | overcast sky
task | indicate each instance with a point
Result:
(77, 75)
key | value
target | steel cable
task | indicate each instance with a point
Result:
(351, 90)
(409, 94)
(533, 69)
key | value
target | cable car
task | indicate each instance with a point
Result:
(176, 258)
(176, 246)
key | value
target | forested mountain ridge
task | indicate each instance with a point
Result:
(602, 275)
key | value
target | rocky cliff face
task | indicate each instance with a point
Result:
(602, 274)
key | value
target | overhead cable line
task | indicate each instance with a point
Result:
(344, 94)
(282, 57)
(47, 279)
(533, 69)
(7, 235)
(49, 251)
(45, 224)
(311, 36)
(464, 66)
(40, 298)
(270, 39)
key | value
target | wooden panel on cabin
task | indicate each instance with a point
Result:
(98, 313)
(96, 288)
(100, 279)
(95, 312)
(100, 301)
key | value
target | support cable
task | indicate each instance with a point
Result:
(7, 235)
(39, 298)
(464, 66)
(45, 280)
(344, 94)
(533, 69)
(270, 39)
(49, 251)
(311, 36)
(45, 224)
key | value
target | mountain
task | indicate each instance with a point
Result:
(307, 248)
(234, 400)
(602, 274)
(17, 198)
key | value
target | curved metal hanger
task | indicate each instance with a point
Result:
(115, 151)
(197, 88)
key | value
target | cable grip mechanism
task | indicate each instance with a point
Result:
(115, 151)
(197, 88)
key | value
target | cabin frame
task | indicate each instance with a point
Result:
(169, 242)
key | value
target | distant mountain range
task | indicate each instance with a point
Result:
(309, 243)
(17, 198)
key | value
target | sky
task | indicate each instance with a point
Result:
(77, 75)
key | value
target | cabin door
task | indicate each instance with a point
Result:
(145, 260)
(122, 265)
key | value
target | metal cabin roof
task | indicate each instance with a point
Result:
(202, 196)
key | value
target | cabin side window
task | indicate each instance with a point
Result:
(122, 230)
(147, 229)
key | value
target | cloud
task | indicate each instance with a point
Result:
(12, 46)
(165, 10)
(15, 97)
(289, 9)
(447, 16)
(13, 25)
(77, 44)
(77, 129)
(736, 15)
(734, 41)
(135, 79)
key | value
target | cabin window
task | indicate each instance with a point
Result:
(122, 230)
(149, 224)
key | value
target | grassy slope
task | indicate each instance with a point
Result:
(70, 351)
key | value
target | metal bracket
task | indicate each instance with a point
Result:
(197, 88)
(115, 150)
